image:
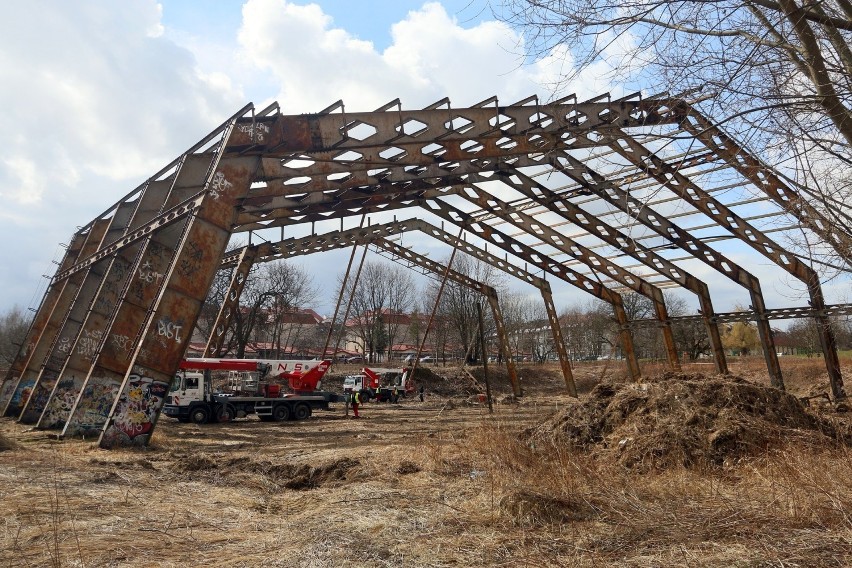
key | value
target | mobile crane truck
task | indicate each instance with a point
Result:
(380, 384)
(254, 388)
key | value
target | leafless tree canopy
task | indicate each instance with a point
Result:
(272, 291)
(775, 73)
(13, 330)
(383, 292)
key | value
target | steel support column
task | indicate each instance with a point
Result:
(166, 333)
(117, 272)
(231, 301)
(72, 333)
(27, 383)
(558, 341)
(670, 177)
(36, 329)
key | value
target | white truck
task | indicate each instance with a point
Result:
(255, 388)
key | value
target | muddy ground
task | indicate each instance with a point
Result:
(439, 483)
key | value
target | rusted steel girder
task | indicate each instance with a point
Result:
(763, 178)
(49, 333)
(562, 206)
(36, 329)
(615, 195)
(495, 130)
(72, 334)
(115, 272)
(379, 235)
(509, 244)
(669, 176)
(488, 291)
(113, 368)
(231, 301)
(572, 248)
(559, 341)
(118, 271)
(752, 315)
(165, 333)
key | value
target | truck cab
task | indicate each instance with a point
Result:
(189, 396)
(359, 383)
(380, 384)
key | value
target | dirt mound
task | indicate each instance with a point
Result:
(6, 444)
(285, 475)
(678, 419)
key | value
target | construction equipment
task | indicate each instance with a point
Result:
(380, 384)
(253, 387)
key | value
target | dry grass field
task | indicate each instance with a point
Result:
(677, 471)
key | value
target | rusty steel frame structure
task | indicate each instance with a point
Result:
(380, 236)
(117, 316)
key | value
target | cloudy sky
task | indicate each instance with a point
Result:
(98, 95)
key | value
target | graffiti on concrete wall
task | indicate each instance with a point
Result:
(136, 412)
(93, 409)
(59, 407)
(7, 391)
(20, 397)
(39, 397)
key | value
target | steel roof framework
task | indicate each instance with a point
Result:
(117, 316)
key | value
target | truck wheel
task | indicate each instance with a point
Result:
(281, 413)
(302, 411)
(199, 415)
(225, 413)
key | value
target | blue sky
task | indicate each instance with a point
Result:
(112, 91)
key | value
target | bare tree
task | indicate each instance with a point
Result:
(270, 290)
(691, 335)
(458, 303)
(384, 293)
(13, 330)
(292, 289)
(527, 326)
(776, 73)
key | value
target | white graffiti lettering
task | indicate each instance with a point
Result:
(147, 274)
(219, 185)
(121, 342)
(169, 330)
(88, 343)
(64, 345)
(258, 131)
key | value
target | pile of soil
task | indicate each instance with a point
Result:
(6, 444)
(684, 420)
(232, 471)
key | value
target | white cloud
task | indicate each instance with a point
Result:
(431, 57)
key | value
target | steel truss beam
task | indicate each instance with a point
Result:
(671, 178)
(764, 179)
(613, 194)
(115, 319)
(752, 315)
(380, 235)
